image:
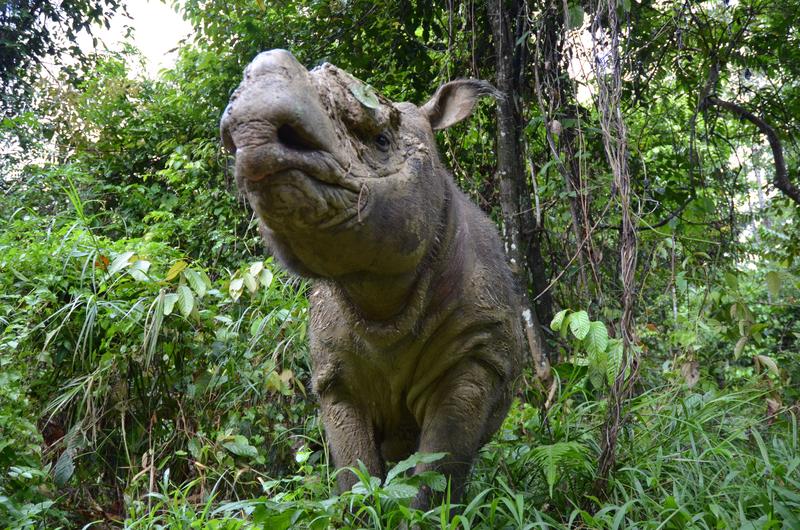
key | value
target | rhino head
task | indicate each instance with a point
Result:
(343, 180)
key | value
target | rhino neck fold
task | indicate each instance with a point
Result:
(396, 301)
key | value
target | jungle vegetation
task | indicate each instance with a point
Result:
(643, 165)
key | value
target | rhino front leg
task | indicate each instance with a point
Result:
(461, 415)
(351, 437)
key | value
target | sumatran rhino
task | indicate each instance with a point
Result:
(416, 339)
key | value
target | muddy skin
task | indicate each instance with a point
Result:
(416, 339)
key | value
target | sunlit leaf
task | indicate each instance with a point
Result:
(169, 303)
(250, 282)
(138, 270)
(196, 282)
(120, 262)
(175, 270)
(365, 95)
(265, 277)
(579, 324)
(558, 319)
(256, 267)
(235, 288)
(185, 300)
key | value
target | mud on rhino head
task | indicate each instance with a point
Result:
(343, 180)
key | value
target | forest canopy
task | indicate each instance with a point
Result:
(641, 163)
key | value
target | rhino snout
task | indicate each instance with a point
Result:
(275, 120)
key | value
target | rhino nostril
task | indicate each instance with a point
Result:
(294, 139)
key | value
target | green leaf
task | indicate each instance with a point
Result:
(401, 491)
(185, 300)
(138, 270)
(614, 360)
(206, 279)
(411, 462)
(774, 283)
(598, 368)
(434, 480)
(240, 446)
(235, 288)
(366, 485)
(65, 467)
(558, 320)
(365, 95)
(256, 326)
(250, 282)
(732, 280)
(552, 458)
(265, 278)
(575, 16)
(169, 303)
(195, 448)
(120, 262)
(256, 267)
(176, 269)
(597, 337)
(196, 282)
(579, 324)
(266, 519)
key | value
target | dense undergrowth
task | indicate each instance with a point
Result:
(146, 390)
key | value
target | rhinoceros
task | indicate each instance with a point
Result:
(415, 333)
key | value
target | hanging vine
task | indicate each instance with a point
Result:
(607, 67)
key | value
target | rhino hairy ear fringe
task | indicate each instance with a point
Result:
(455, 101)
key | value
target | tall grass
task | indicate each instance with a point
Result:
(689, 460)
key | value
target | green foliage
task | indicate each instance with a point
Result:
(133, 347)
(32, 32)
(691, 459)
(592, 346)
(153, 365)
(22, 501)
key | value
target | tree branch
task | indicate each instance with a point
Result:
(674, 213)
(781, 179)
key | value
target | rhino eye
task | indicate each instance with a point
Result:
(382, 141)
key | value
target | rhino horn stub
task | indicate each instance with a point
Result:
(275, 62)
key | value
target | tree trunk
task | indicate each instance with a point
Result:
(508, 21)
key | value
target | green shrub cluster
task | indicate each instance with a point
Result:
(130, 360)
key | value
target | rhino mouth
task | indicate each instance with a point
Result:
(294, 197)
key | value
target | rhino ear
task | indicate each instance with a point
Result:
(455, 101)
